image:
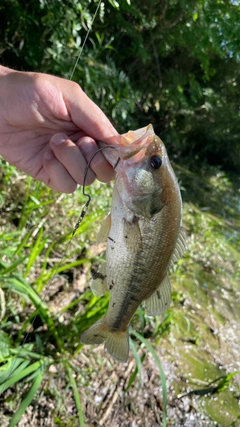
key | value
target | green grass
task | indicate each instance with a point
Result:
(37, 251)
(30, 236)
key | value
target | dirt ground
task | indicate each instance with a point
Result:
(105, 400)
(103, 383)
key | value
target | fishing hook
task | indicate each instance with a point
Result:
(82, 216)
(85, 207)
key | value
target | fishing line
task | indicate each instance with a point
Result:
(84, 41)
(84, 210)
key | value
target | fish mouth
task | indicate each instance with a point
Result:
(131, 144)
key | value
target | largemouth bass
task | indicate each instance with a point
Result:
(144, 237)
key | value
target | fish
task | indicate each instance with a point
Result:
(144, 237)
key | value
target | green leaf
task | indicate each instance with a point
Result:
(13, 266)
(28, 399)
(19, 374)
(76, 395)
(195, 16)
(5, 345)
(138, 367)
(114, 3)
(35, 251)
(12, 367)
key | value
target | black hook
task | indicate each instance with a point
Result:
(85, 207)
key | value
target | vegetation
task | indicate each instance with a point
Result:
(180, 71)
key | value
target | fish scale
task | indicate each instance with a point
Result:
(144, 237)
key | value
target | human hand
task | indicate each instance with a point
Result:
(49, 128)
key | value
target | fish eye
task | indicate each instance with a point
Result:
(155, 162)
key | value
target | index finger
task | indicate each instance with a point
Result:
(88, 116)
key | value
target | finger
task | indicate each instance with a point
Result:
(88, 116)
(58, 177)
(70, 156)
(99, 165)
(76, 136)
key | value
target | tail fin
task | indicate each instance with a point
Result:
(116, 343)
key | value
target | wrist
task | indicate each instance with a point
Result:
(4, 95)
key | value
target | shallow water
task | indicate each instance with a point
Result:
(204, 343)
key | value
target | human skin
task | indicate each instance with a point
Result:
(49, 128)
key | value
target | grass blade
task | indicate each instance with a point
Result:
(76, 396)
(23, 243)
(20, 375)
(138, 367)
(14, 367)
(27, 400)
(161, 372)
(35, 251)
(13, 266)
(5, 345)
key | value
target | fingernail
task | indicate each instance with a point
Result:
(58, 139)
(87, 144)
(49, 155)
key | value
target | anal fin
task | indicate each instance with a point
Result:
(160, 300)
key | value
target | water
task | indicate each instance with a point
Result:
(206, 348)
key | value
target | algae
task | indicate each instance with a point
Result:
(204, 342)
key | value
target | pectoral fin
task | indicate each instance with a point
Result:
(132, 234)
(104, 230)
(160, 301)
(99, 281)
(180, 247)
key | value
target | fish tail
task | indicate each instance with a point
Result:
(116, 342)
